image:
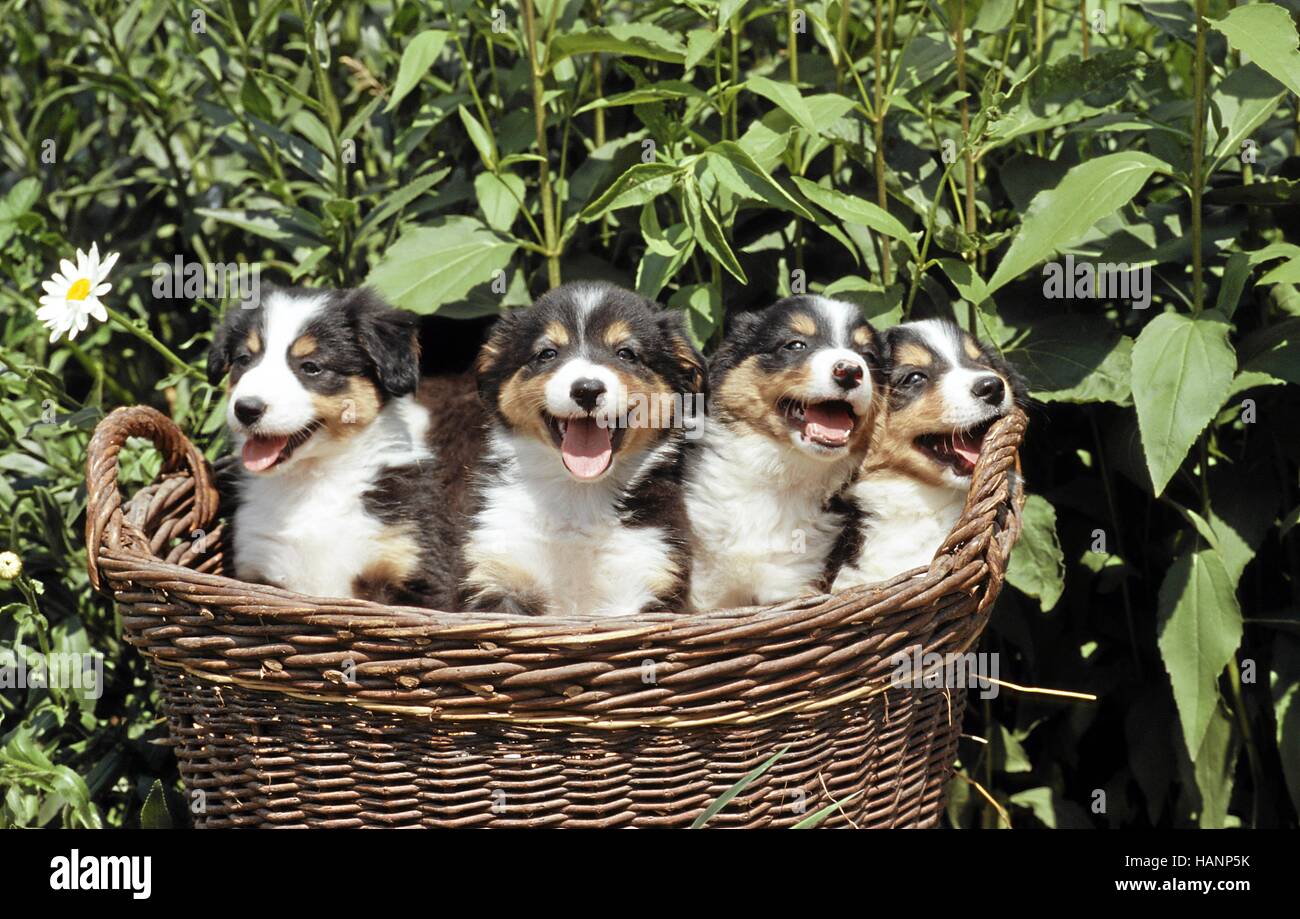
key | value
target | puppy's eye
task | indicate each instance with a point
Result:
(243, 360)
(915, 378)
(547, 354)
(795, 345)
(311, 368)
(626, 354)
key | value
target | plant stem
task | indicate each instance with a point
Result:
(841, 59)
(544, 167)
(959, 37)
(1198, 154)
(1248, 736)
(1083, 14)
(792, 41)
(879, 135)
(147, 337)
(735, 73)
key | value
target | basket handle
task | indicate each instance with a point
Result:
(104, 498)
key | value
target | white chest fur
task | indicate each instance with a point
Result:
(905, 523)
(761, 533)
(307, 529)
(542, 536)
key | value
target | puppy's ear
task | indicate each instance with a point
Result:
(488, 364)
(693, 374)
(389, 337)
(228, 331)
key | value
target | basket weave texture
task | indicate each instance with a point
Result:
(293, 711)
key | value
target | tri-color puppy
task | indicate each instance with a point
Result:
(793, 401)
(579, 507)
(945, 390)
(333, 492)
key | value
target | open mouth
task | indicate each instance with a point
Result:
(266, 451)
(826, 424)
(958, 450)
(587, 445)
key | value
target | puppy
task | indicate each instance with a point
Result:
(793, 402)
(579, 507)
(332, 493)
(945, 391)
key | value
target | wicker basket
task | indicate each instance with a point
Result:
(287, 710)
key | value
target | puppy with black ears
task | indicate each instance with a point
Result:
(793, 401)
(579, 504)
(332, 492)
(945, 390)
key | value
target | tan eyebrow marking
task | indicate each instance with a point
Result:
(305, 345)
(803, 324)
(862, 336)
(617, 332)
(557, 333)
(254, 342)
(972, 349)
(914, 355)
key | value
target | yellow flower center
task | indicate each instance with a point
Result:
(80, 289)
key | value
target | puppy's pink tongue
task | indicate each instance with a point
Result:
(968, 448)
(261, 452)
(586, 448)
(828, 423)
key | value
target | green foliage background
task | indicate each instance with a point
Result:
(913, 157)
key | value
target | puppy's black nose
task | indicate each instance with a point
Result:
(249, 410)
(586, 391)
(848, 374)
(990, 389)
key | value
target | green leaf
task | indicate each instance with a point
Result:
(418, 57)
(701, 306)
(431, 266)
(1182, 371)
(725, 798)
(642, 183)
(786, 97)
(633, 39)
(1037, 565)
(398, 199)
(665, 253)
(1059, 216)
(499, 197)
(1266, 33)
(1076, 359)
(154, 815)
(1235, 275)
(698, 44)
(967, 281)
(1244, 99)
(482, 138)
(708, 232)
(1200, 628)
(852, 209)
(737, 171)
(1215, 769)
(662, 91)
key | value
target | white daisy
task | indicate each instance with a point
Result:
(72, 295)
